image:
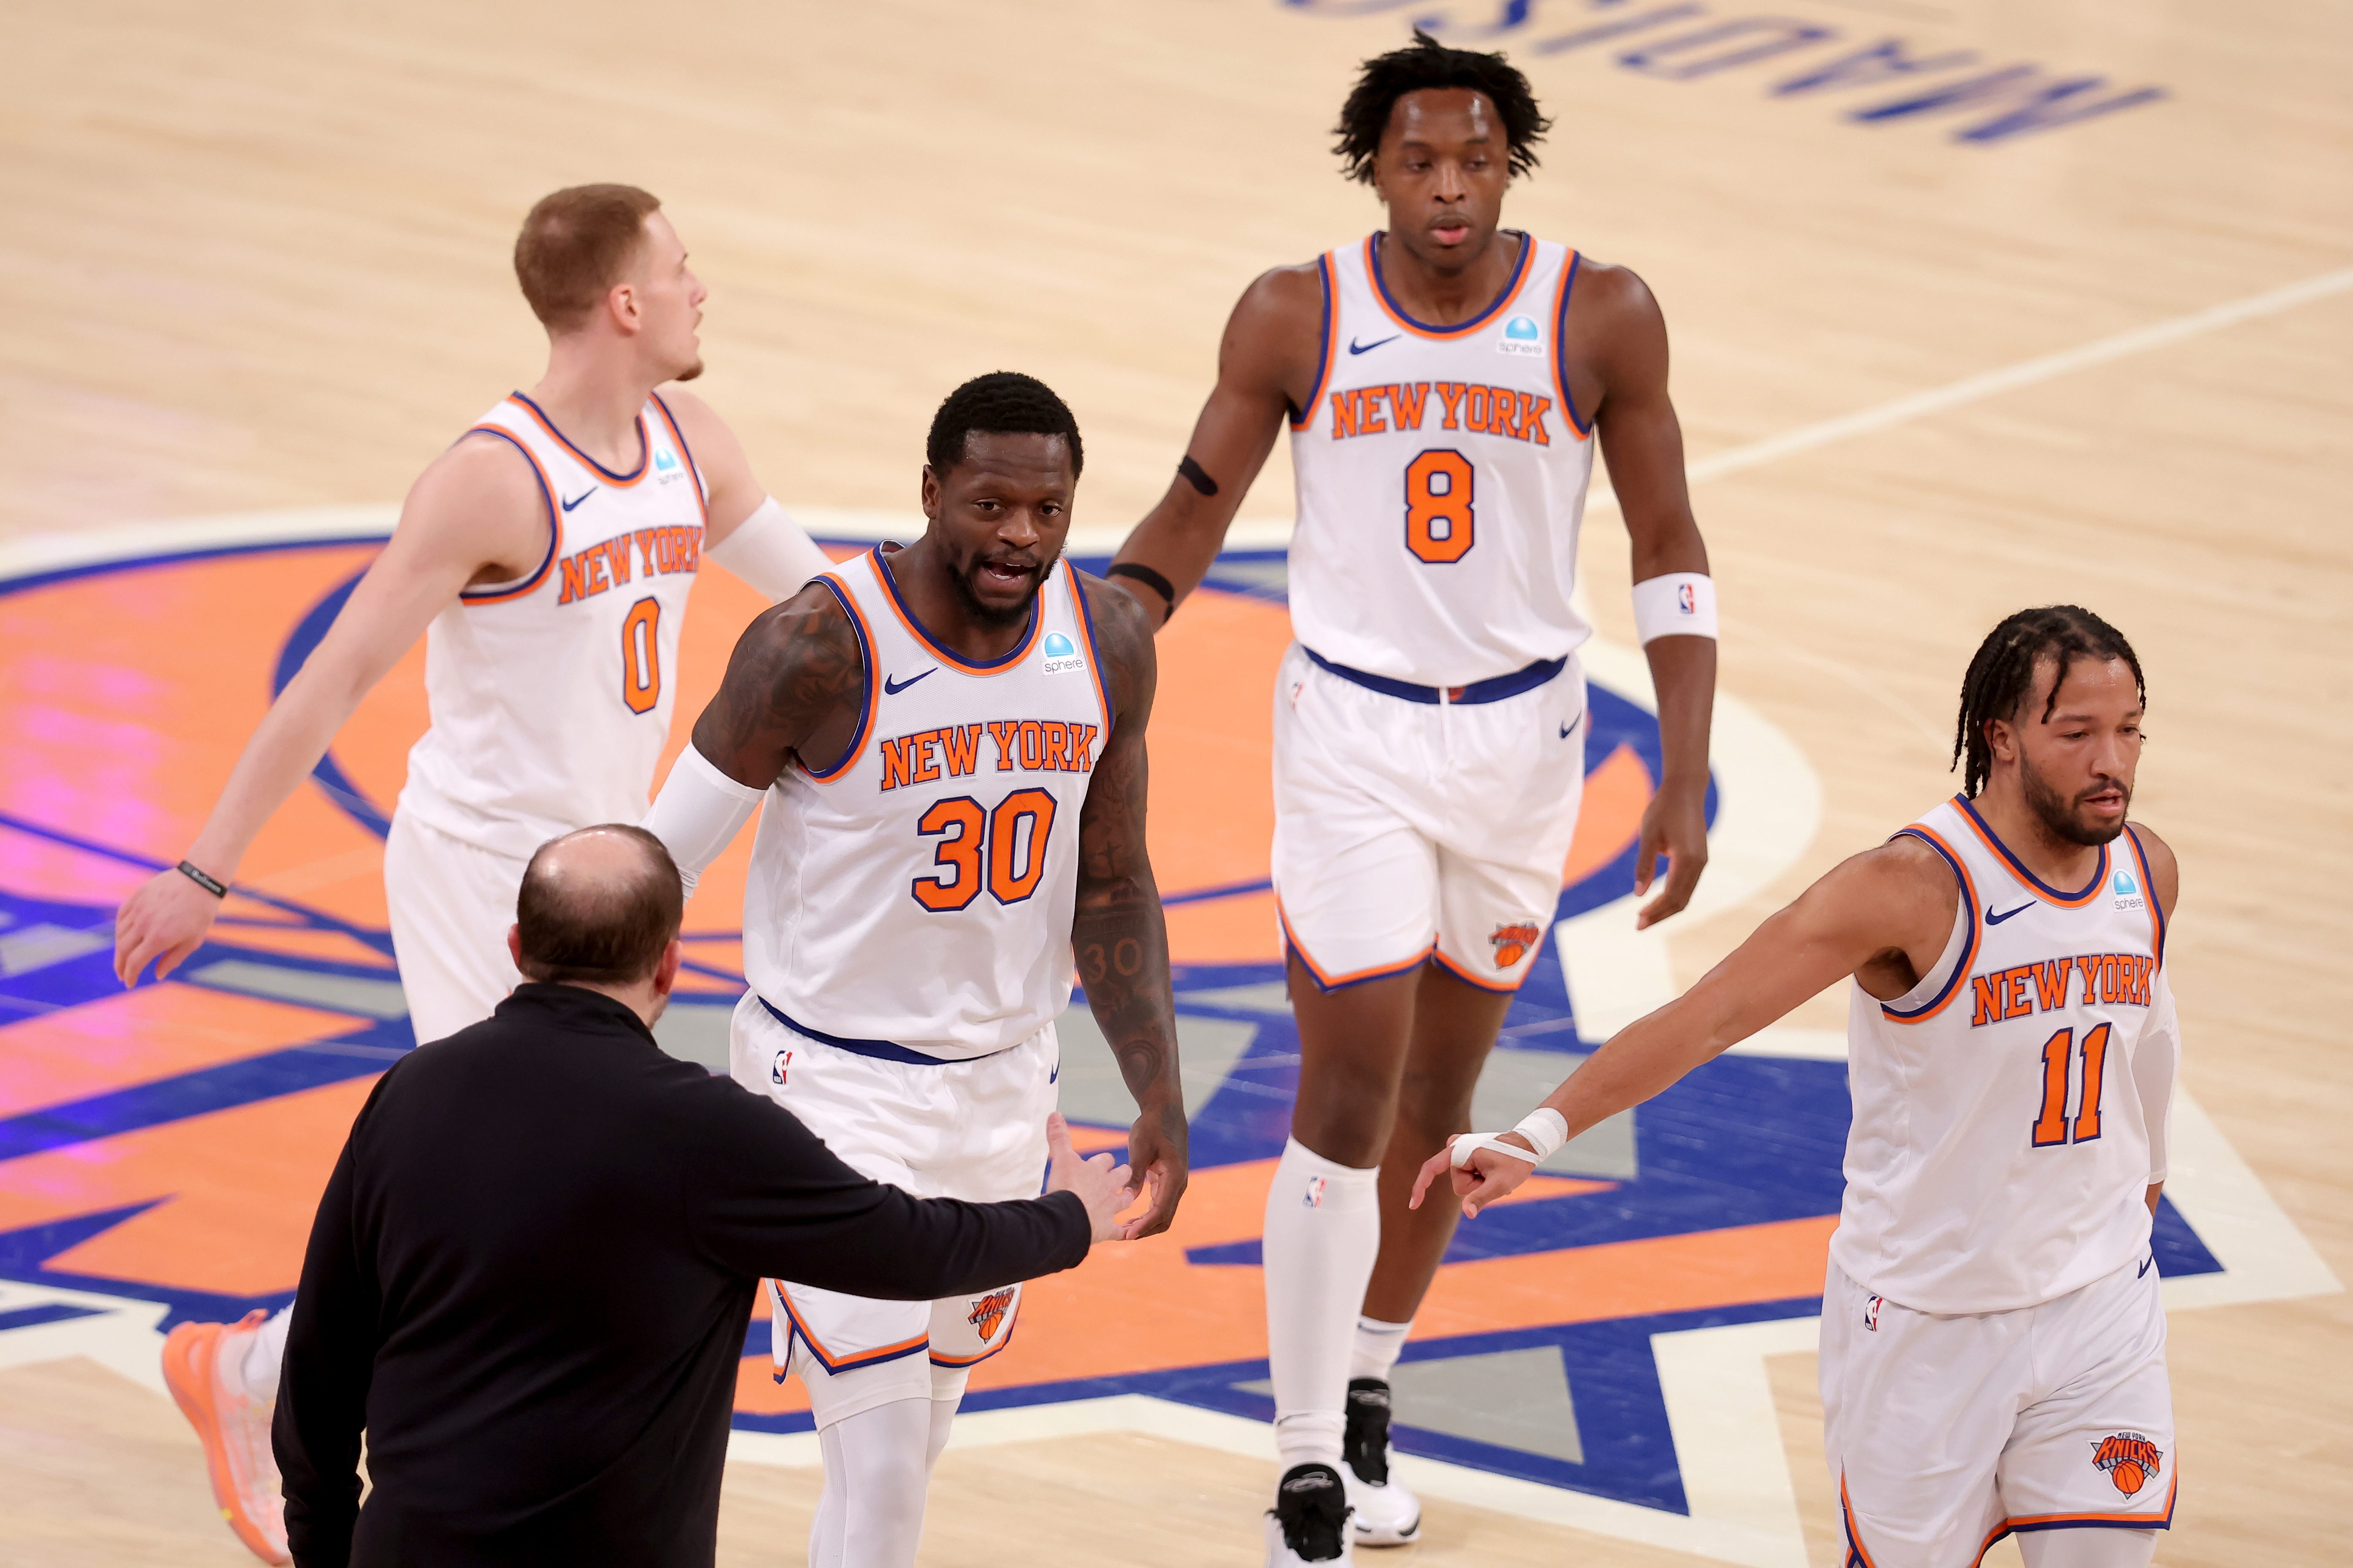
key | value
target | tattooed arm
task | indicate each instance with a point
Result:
(1118, 934)
(795, 684)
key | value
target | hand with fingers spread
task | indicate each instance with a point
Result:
(1106, 1188)
(163, 922)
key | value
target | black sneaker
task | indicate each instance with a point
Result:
(1381, 1512)
(1309, 1520)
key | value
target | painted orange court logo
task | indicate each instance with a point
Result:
(1512, 942)
(2129, 1459)
(988, 1313)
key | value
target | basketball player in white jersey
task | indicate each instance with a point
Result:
(1993, 1346)
(950, 741)
(546, 557)
(1445, 382)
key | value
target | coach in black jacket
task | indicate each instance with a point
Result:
(531, 1274)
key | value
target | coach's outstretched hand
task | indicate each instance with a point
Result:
(1100, 1185)
(162, 922)
(1484, 1176)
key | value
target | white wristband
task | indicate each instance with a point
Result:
(1545, 1129)
(1679, 605)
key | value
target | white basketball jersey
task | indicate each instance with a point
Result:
(918, 891)
(551, 697)
(1441, 476)
(2000, 1153)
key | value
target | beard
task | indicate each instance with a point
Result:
(991, 615)
(2063, 817)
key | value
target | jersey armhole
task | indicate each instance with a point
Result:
(1324, 349)
(1966, 910)
(694, 470)
(1560, 347)
(1095, 649)
(866, 679)
(499, 592)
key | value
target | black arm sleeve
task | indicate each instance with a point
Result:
(331, 1345)
(774, 1201)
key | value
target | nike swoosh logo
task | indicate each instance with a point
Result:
(893, 687)
(1356, 348)
(1570, 728)
(2146, 1264)
(1056, 1074)
(1995, 917)
(583, 495)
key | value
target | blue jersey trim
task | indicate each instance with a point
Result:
(554, 525)
(1490, 691)
(1330, 319)
(678, 434)
(1960, 965)
(866, 678)
(880, 1051)
(1510, 287)
(2017, 868)
(645, 445)
(924, 633)
(2148, 889)
(1560, 346)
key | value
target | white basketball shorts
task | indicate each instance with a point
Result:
(452, 904)
(971, 1129)
(1946, 1434)
(1405, 831)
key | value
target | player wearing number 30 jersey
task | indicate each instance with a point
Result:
(949, 742)
(1993, 1344)
(1445, 382)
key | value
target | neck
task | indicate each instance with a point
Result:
(1444, 296)
(922, 576)
(2061, 862)
(644, 998)
(593, 393)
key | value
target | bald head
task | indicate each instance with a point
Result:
(597, 907)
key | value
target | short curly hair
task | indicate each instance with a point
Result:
(1423, 64)
(1003, 402)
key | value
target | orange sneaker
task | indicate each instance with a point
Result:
(203, 1368)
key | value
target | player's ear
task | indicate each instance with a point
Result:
(931, 495)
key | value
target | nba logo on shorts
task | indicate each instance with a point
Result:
(1314, 1197)
(777, 1068)
(1686, 599)
(1871, 1313)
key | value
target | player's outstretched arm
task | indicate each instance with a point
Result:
(1642, 442)
(476, 514)
(1118, 934)
(795, 685)
(1891, 907)
(1267, 357)
(748, 533)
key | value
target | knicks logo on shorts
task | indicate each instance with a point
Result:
(1512, 942)
(988, 1313)
(2128, 1459)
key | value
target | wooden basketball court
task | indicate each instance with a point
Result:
(1974, 305)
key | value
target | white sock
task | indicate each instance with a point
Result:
(877, 1470)
(2087, 1548)
(265, 1353)
(1323, 1231)
(1377, 1348)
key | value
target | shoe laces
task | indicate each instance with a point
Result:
(1364, 1445)
(1312, 1506)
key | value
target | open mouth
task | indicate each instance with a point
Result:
(1008, 576)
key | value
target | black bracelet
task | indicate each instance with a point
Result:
(1148, 577)
(197, 875)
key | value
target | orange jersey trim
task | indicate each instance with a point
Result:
(834, 1363)
(2149, 891)
(1094, 659)
(1324, 982)
(1520, 271)
(2063, 1520)
(678, 439)
(982, 1355)
(891, 597)
(619, 482)
(1856, 1550)
(1326, 271)
(1973, 906)
(1560, 345)
(865, 730)
(494, 594)
(2033, 883)
(1464, 976)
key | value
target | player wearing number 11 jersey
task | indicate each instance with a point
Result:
(1994, 1343)
(1445, 382)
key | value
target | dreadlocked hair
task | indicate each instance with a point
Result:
(1423, 64)
(2001, 676)
(1002, 402)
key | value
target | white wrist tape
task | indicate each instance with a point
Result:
(768, 550)
(1545, 1129)
(699, 813)
(1679, 605)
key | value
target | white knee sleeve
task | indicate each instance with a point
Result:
(877, 1469)
(1323, 1231)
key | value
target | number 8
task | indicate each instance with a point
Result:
(1440, 523)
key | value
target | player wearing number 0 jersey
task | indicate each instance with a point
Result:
(546, 557)
(1993, 1343)
(1445, 382)
(949, 742)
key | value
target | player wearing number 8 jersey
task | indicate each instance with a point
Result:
(950, 742)
(1993, 1344)
(546, 557)
(1445, 382)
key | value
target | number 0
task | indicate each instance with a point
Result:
(642, 655)
(1440, 523)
